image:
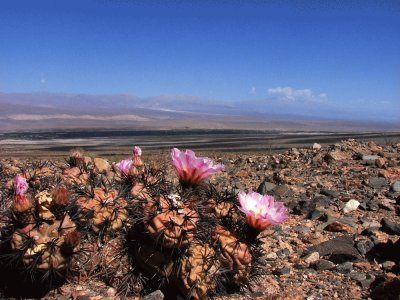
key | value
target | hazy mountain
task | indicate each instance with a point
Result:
(43, 110)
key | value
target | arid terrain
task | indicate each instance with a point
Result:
(341, 240)
(119, 143)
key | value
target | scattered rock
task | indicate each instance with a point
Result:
(316, 146)
(377, 182)
(329, 193)
(265, 187)
(323, 264)
(370, 157)
(337, 155)
(281, 271)
(380, 162)
(386, 203)
(373, 205)
(395, 187)
(157, 295)
(390, 227)
(338, 250)
(283, 252)
(282, 191)
(271, 256)
(366, 283)
(351, 205)
(345, 267)
(393, 174)
(338, 226)
(311, 258)
(357, 276)
(302, 229)
(364, 246)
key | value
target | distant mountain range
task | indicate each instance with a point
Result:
(48, 111)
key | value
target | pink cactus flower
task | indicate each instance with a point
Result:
(137, 152)
(193, 170)
(20, 185)
(261, 211)
(124, 166)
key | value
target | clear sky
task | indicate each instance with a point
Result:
(342, 54)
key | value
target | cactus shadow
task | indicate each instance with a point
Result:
(17, 283)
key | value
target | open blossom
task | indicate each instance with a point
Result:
(261, 211)
(124, 166)
(20, 185)
(193, 170)
(137, 152)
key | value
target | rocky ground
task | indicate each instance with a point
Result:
(341, 240)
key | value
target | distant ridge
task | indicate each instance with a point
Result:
(53, 111)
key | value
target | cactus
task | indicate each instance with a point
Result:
(40, 240)
(135, 229)
(104, 210)
(116, 268)
(197, 271)
(47, 246)
(201, 240)
(170, 222)
(234, 254)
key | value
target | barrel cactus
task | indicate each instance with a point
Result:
(41, 239)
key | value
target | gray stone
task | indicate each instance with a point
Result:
(323, 264)
(338, 250)
(357, 276)
(370, 157)
(316, 214)
(363, 205)
(395, 186)
(390, 227)
(364, 246)
(377, 182)
(281, 271)
(282, 191)
(329, 193)
(366, 283)
(265, 187)
(157, 295)
(301, 229)
(345, 267)
(373, 205)
(283, 252)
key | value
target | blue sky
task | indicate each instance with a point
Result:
(332, 56)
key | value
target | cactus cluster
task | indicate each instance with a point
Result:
(195, 237)
(40, 239)
(134, 228)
